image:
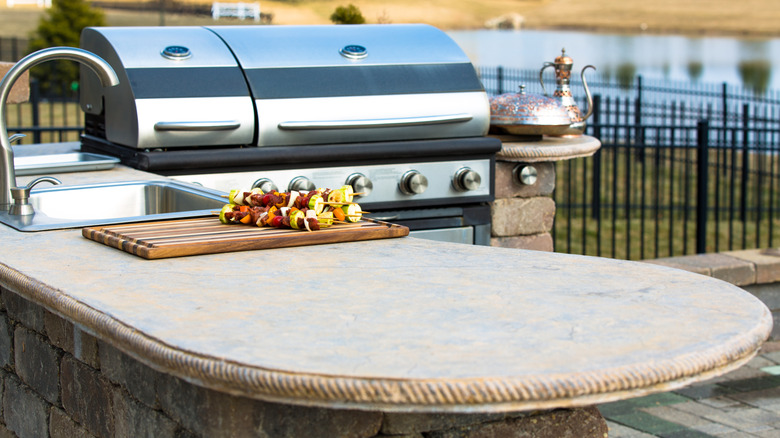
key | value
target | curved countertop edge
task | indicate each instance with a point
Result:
(546, 149)
(466, 395)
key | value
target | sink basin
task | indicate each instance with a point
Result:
(59, 207)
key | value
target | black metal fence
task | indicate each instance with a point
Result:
(682, 170)
(47, 119)
(13, 49)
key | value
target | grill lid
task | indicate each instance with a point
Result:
(283, 85)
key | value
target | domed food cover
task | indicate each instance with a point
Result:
(528, 114)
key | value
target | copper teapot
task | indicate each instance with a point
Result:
(563, 68)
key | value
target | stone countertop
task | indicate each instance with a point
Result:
(398, 324)
(547, 148)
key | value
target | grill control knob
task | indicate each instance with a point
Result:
(360, 183)
(466, 179)
(413, 183)
(301, 183)
(265, 184)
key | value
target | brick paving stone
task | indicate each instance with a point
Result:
(730, 417)
(617, 430)
(753, 384)
(759, 362)
(686, 433)
(720, 402)
(609, 410)
(773, 370)
(645, 422)
(669, 413)
(702, 391)
(742, 373)
(767, 399)
(773, 356)
(716, 429)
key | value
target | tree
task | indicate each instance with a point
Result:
(61, 26)
(347, 15)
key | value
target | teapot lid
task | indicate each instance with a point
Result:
(563, 59)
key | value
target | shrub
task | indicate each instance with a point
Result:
(61, 26)
(347, 15)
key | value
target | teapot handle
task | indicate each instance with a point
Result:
(541, 79)
(587, 92)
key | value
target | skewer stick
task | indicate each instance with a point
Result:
(338, 203)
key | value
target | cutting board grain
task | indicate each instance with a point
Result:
(186, 237)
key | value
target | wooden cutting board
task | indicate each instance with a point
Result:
(185, 237)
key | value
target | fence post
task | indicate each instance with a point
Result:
(15, 49)
(745, 163)
(596, 196)
(35, 101)
(639, 135)
(702, 168)
(500, 79)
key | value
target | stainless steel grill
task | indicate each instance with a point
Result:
(395, 110)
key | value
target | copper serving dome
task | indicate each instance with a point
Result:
(528, 114)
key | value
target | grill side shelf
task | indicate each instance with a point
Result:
(187, 237)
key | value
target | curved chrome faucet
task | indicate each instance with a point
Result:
(104, 71)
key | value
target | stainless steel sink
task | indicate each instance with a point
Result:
(59, 207)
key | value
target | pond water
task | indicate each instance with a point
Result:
(752, 63)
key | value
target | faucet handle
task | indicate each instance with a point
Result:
(21, 196)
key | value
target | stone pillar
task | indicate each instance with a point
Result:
(523, 212)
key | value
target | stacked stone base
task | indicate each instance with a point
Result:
(522, 214)
(56, 380)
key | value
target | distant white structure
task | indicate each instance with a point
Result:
(39, 3)
(239, 10)
(508, 21)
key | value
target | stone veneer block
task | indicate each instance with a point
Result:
(767, 262)
(63, 334)
(59, 331)
(27, 313)
(6, 343)
(87, 397)
(138, 378)
(217, 414)
(37, 363)
(20, 92)
(61, 426)
(134, 419)
(722, 267)
(507, 185)
(521, 216)
(24, 412)
(535, 242)
(561, 423)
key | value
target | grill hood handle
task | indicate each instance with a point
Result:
(375, 123)
(226, 125)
